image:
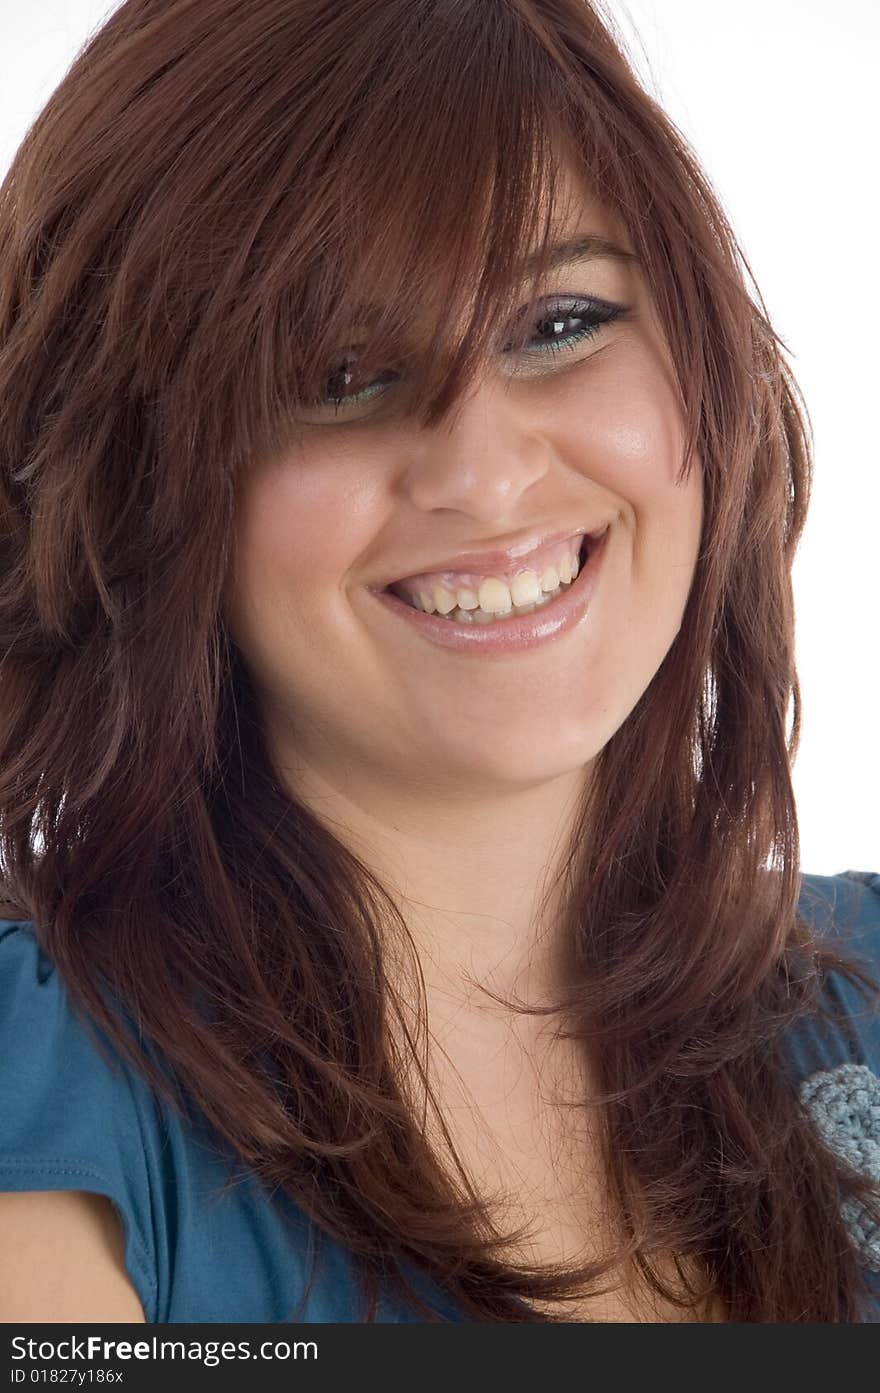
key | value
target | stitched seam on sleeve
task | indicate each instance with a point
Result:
(61, 1166)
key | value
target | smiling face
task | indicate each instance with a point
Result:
(548, 441)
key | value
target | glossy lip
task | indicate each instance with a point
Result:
(487, 563)
(509, 636)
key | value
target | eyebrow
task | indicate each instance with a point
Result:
(581, 248)
(568, 252)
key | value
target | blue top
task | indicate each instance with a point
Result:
(70, 1122)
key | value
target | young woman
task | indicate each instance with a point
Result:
(399, 492)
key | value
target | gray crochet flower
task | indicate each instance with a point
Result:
(845, 1105)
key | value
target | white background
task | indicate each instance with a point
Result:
(778, 97)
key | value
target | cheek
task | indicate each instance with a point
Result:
(625, 428)
(296, 534)
(624, 433)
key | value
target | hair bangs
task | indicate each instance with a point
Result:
(453, 240)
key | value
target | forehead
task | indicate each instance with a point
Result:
(582, 230)
(577, 205)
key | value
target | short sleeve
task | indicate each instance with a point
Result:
(69, 1120)
(837, 1064)
(844, 910)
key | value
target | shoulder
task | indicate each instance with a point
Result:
(70, 1119)
(76, 1117)
(843, 911)
(837, 1059)
(845, 906)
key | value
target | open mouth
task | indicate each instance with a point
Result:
(496, 603)
(510, 630)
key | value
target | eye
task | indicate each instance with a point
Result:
(346, 377)
(563, 327)
(572, 322)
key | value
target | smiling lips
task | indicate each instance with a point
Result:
(507, 633)
(520, 583)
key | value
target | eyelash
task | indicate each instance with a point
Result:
(597, 312)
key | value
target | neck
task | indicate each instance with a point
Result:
(473, 872)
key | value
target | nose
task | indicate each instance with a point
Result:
(481, 462)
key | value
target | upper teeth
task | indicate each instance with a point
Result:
(495, 596)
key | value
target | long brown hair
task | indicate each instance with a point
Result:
(181, 234)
